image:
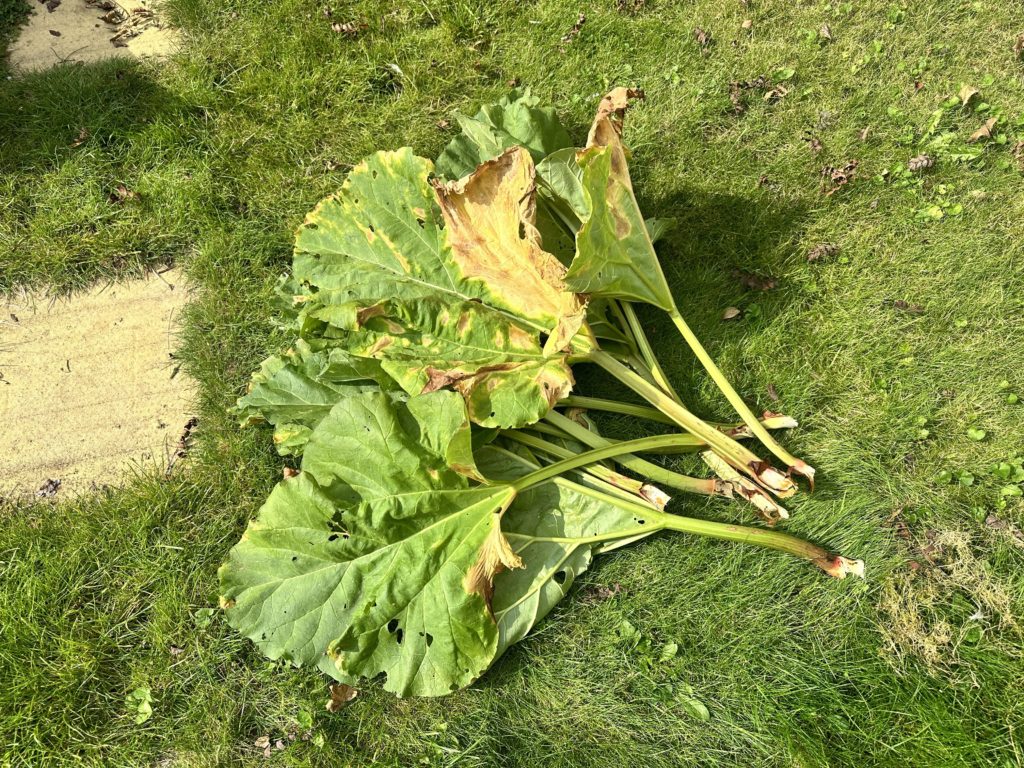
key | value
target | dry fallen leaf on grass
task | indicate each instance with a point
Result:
(48, 489)
(920, 163)
(822, 251)
(813, 142)
(341, 696)
(121, 194)
(837, 178)
(731, 313)
(754, 282)
(572, 34)
(825, 33)
(985, 132)
(967, 93)
(348, 28)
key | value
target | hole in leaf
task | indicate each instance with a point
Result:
(373, 174)
(333, 537)
(639, 521)
(312, 225)
(399, 635)
(372, 228)
(522, 230)
(560, 577)
(422, 223)
(430, 639)
(294, 558)
(392, 625)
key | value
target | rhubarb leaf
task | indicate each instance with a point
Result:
(377, 555)
(294, 391)
(614, 254)
(552, 528)
(447, 287)
(516, 120)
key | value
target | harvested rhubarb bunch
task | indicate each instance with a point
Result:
(452, 483)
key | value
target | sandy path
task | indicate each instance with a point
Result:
(78, 31)
(89, 386)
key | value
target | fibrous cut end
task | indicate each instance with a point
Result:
(841, 567)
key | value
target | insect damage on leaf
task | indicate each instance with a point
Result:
(366, 554)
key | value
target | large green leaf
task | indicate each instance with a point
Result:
(377, 554)
(377, 559)
(448, 287)
(563, 204)
(294, 391)
(614, 253)
(552, 527)
(516, 120)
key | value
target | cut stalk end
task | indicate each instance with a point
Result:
(654, 495)
(804, 469)
(778, 421)
(840, 567)
(778, 482)
(734, 483)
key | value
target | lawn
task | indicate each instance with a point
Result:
(899, 349)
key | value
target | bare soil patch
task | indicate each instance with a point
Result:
(61, 31)
(89, 386)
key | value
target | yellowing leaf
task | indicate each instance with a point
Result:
(614, 254)
(435, 296)
(489, 218)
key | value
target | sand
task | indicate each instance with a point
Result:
(89, 386)
(134, 29)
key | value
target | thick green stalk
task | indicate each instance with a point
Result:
(651, 471)
(614, 406)
(738, 456)
(736, 401)
(651, 521)
(653, 414)
(590, 457)
(600, 471)
(644, 348)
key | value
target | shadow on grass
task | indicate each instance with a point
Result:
(715, 237)
(46, 116)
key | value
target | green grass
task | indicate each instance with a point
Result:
(260, 116)
(12, 14)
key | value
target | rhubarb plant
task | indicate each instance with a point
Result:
(451, 484)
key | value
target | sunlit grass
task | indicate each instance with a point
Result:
(262, 114)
